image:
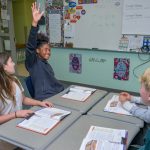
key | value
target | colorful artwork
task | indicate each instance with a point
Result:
(121, 68)
(75, 63)
(87, 1)
(57, 3)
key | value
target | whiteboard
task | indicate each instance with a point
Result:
(136, 17)
(99, 28)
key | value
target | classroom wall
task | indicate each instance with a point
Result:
(100, 72)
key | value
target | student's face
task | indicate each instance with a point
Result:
(9, 67)
(145, 95)
(44, 51)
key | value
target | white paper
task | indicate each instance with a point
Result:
(117, 108)
(78, 93)
(5, 23)
(55, 28)
(136, 17)
(7, 44)
(44, 120)
(54, 113)
(69, 30)
(99, 138)
(4, 14)
(39, 124)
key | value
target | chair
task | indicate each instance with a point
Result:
(29, 85)
(146, 145)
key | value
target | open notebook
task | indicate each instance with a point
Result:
(114, 105)
(100, 138)
(78, 93)
(42, 121)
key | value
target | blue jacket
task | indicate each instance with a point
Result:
(44, 82)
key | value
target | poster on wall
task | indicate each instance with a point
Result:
(55, 25)
(87, 1)
(121, 68)
(75, 63)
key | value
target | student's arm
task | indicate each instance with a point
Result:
(32, 39)
(142, 113)
(30, 101)
(135, 99)
(5, 118)
(13, 115)
(124, 96)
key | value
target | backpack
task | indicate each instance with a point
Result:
(146, 145)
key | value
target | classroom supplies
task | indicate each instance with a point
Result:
(43, 120)
(78, 93)
(100, 138)
(114, 105)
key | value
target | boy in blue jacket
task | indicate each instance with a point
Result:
(37, 54)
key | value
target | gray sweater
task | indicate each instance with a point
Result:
(140, 112)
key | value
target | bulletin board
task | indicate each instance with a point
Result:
(98, 24)
(87, 24)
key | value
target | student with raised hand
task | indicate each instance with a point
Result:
(129, 102)
(11, 93)
(38, 52)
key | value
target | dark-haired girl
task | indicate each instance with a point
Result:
(37, 54)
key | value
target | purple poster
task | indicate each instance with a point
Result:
(121, 68)
(75, 63)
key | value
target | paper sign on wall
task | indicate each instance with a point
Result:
(75, 63)
(121, 68)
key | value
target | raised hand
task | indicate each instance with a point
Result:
(36, 14)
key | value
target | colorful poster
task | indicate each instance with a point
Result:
(57, 3)
(75, 63)
(121, 68)
(87, 1)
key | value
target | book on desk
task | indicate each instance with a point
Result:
(43, 120)
(78, 93)
(114, 106)
(100, 138)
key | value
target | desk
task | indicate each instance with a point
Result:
(72, 138)
(30, 140)
(83, 107)
(98, 110)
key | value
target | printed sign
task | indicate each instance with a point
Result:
(121, 68)
(75, 64)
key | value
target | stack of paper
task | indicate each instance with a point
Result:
(99, 138)
(78, 93)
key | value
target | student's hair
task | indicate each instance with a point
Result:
(145, 79)
(6, 86)
(41, 40)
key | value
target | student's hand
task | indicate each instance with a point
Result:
(46, 104)
(122, 99)
(124, 96)
(23, 113)
(127, 95)
(36, 14)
